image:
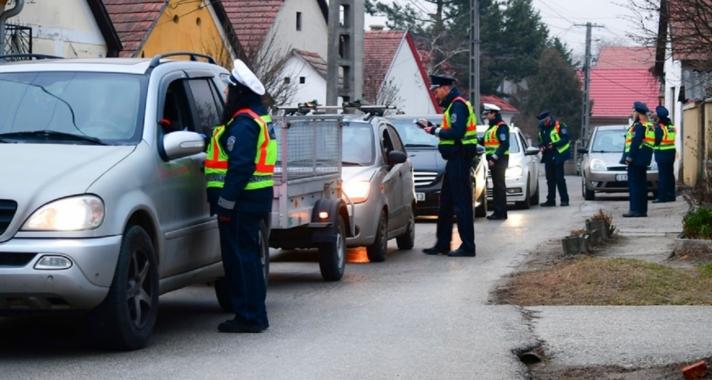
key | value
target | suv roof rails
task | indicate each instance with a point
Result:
(307, 108)
(156, 60)
(26, 57)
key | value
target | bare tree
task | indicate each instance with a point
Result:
(389, 95)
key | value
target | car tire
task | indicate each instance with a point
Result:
(332, 255)
(534, 200)
(481, 210)
(588, 195)
(377, 250)
(407, 239)
(525, 204)
(125, 319)
(222, 288)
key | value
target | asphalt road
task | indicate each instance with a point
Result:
(413, 316)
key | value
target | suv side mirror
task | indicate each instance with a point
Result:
(531, 151)
(182, 144)
(396, 157)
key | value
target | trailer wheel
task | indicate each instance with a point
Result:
(332, 255)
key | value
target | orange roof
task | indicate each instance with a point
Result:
(629, 57)
(499, 102)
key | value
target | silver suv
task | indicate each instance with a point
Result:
(103, 203)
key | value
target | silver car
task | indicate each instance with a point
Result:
(378, 180)
(103, 203)
(601, 169)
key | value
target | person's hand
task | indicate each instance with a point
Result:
(628, 160)
(423, 123)
(490, 163)
(549, 145)
(429, 130)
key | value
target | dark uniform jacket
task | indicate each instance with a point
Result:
(639, 154)
(551, 155)
(458, 117)
(240, 144)
(502, 135)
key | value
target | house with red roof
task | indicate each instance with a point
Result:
(508, 111)
(394, 73)
(621, 76)
(305, 72)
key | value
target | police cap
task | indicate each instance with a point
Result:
(640, 107)
(243, 75)
(662, 112)
(543, 115)
(489, 107)
(440, 80)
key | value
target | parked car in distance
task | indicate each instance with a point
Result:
(522, 175)
(378, 178)
(601, 169)
(429, 166)
(103, 203)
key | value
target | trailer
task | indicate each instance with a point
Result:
(308, 208)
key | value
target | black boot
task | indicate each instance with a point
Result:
(435, 251)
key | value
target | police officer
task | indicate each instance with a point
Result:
(555, 145)
(496, 141)
(665, 156)
(458, 146)
(637, 154)
(239, 167)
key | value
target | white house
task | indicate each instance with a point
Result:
(69, 28)
(306, 72)
(394, 73)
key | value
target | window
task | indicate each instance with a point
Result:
(286, 80)
(302, 80)
(299, 21)
(205, 105)
(175, 109)
(395, 138)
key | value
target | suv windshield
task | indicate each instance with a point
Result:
(608, 141)
(357, 144)
(76, 108)
(413, 136)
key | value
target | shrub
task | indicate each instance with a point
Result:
(697, 224)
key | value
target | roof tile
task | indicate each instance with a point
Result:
(379, 48)
(133, 20)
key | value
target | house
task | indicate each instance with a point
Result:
(621, 76)
(149, 27)
(394, 73)
(285, 41)
(509, 112)
(69, 28)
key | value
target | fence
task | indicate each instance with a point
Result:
(18, 40)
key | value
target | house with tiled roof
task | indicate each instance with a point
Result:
(394, 73)
(150, 27)
(69, 28)
(305, 72)
(621, 76)
(508, 110)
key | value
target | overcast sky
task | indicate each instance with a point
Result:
(561, 15)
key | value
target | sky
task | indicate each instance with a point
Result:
(561, 15)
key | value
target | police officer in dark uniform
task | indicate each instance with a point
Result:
(458, 146)
(496, 141)
(637, 154)
(245, 200)
(555, 145)
(665, 156)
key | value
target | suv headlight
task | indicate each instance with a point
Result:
(84, 212)
(598, 165)
(513, 172)
(357, 191)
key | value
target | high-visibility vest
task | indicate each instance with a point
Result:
(491, 140)
(555, 136)
(648, 141)
(216, 163)
(668, 140)
(470, 137)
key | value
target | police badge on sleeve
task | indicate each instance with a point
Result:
(231, 143)
(454, 118)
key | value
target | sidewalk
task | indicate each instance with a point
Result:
(628, 336)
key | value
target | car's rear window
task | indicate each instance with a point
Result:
(105, 106)
(608, 141)
(357, 144)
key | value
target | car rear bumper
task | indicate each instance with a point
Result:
(82, 286)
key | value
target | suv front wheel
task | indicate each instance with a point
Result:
(125, 319)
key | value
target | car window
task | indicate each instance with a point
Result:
(205, 105)
(412, 135)
(176, 115)
(514, 143)
(523, 140)
(107, 106)
(395, 139)
(358, 147)
(608, 141)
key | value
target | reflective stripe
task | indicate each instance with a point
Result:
(491, 141)
(470, 137)
(668, 140)
(555, 136)
(648, 140)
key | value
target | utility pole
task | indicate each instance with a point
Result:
(475, 56)
(586, 106)
(345, 51)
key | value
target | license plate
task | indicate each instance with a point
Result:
(621, 177)
(420, 197)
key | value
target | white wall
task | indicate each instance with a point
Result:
(673, 81)
(284, 33)
(404, 75)
(314, 86)
(64, 28)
